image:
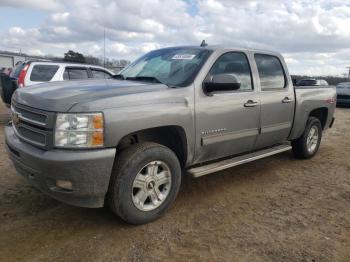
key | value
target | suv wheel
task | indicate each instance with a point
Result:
(307, 145)
(145, 181)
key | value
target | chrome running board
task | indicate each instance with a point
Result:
(238, 160)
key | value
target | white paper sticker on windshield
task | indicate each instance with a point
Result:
(184, 57)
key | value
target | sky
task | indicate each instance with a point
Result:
(313, 35)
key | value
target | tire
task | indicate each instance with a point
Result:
(149, 163)
(300, 146)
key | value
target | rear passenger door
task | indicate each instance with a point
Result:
(74, 73)
(277, 100)
(99, 73)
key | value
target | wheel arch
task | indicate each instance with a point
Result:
(321, 114)
(302, 116)
(171, 136)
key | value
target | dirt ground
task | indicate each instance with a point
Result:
(275, 209)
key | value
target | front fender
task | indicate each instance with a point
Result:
(121, 122)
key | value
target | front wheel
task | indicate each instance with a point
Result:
(145, 181)
(307, 145)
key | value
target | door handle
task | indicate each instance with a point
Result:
(250, 103)
(287, 100)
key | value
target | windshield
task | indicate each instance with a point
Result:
(171, 66)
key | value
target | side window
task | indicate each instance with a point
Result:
(271, 73)
(75, 73)
(99, 74)
(234, 63)
(43, 73)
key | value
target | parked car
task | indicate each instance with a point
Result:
(125, 142)
(343, 93)
(35, 72)
(312, 82)
(6, 70)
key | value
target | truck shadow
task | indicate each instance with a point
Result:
(39, 207)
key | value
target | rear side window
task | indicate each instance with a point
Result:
(43, 73)
(234, 63)
(100, 74)
(75, 73)
(271, 72)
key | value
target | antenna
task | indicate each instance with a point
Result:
(203, 44)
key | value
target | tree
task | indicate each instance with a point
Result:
(72, 56)
(124, 62)
(93, 60)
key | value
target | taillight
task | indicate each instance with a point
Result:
(22, 75)
(331, 100)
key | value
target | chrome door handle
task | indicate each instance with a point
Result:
(250, 103)
(287, 100)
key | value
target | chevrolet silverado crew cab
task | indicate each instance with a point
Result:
(125, 142)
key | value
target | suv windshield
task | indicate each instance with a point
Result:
(170, 66)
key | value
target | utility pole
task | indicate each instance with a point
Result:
(349, 72)
(104, 46)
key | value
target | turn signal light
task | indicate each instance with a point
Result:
(97, 138)
(97, 121)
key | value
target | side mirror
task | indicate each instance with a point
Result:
(222, 82)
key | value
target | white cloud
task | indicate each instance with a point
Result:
(48, 5)
(60, 17)
(314, 35)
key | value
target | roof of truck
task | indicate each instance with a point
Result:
(222, 47)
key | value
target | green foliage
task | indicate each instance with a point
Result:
(72, 56)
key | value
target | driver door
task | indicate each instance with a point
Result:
(227, 122)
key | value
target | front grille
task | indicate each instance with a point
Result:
(33, 125)
(343, 96)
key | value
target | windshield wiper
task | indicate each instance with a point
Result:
(151, 79)
(145, 78)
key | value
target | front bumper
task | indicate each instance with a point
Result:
(89, 171)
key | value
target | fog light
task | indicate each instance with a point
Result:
(64, 184)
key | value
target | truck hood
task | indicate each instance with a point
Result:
(61, 96)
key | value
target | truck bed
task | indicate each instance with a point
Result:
(309, 98)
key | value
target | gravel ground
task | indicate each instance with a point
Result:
(275, 209)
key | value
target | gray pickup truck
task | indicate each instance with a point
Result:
(127, 141)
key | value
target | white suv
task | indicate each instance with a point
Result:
(35, 72)
(31, 73)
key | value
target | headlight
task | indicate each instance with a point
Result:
(79, 130)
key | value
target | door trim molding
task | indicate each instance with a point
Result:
(275, 127)
(222, 137)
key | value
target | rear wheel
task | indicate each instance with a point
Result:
(145, 181)
(307, 145)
